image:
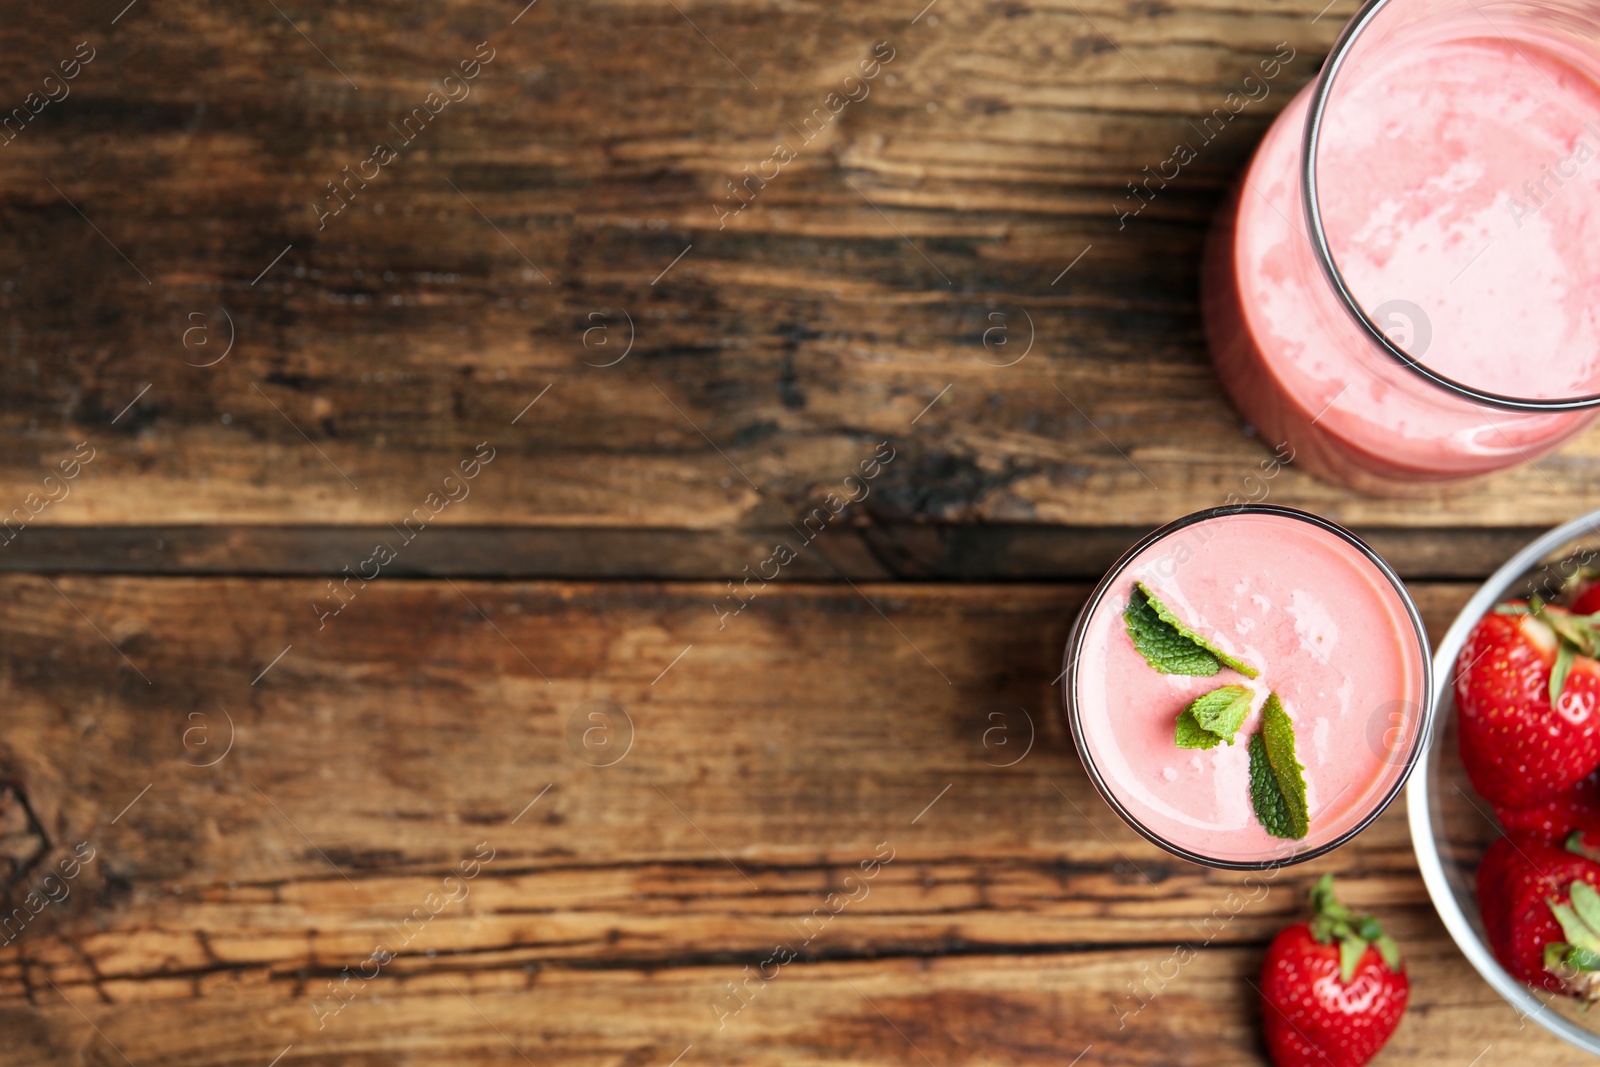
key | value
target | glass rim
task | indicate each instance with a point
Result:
(1420, 737)
(1330, 269)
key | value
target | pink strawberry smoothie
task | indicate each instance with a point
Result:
(1327, 631)
(1460, 191)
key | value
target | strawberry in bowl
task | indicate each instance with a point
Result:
(1528, 701)
(1576, 808)
(1514, 753)
(1541, 911)
(1528, 697)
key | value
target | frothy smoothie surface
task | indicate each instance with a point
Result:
(1462, 177)
(1328, 634)
(1459, 179)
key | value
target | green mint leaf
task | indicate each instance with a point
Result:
(1277, 787)
(1222, 711)
(1278, 730)
(1160, 643)
(1265, 795)
(1166, 616)
(1565, 654)
(1190, 734)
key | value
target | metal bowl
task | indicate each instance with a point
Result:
(1451, 825)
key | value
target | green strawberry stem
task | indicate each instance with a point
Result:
(1577, 583)
(1576, 961)
(1581, 631)
(1354, 933)
(1576, 635)
(1579, 846)
(1565, 655)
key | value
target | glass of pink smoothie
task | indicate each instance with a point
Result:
(1327, 627)
(1402, 286)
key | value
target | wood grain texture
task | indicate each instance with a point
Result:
(523, 239)
(987, 1010)
(1015, 923)
(859, 551)
(270, 791)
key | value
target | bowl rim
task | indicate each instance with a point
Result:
(1418, 810)
(1069, 674)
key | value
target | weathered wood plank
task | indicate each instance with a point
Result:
(389, 705)
(848, 305)
(369, 763)
(997, 1009)
(918, 551)
(858, 286)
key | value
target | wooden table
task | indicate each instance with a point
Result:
(529, 789)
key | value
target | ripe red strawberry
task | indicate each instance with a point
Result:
(1332, 990)
(1519, 748)
(1542, 915)
(1576, 809)
(1588, 599)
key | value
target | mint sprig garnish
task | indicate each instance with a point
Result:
(1214, 717)
(1272, 811)
(1160, 643)
(1170, 646)
(1277, 787)
(1190, 734)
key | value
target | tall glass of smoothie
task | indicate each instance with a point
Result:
(1249, 686)
(1402, 286)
